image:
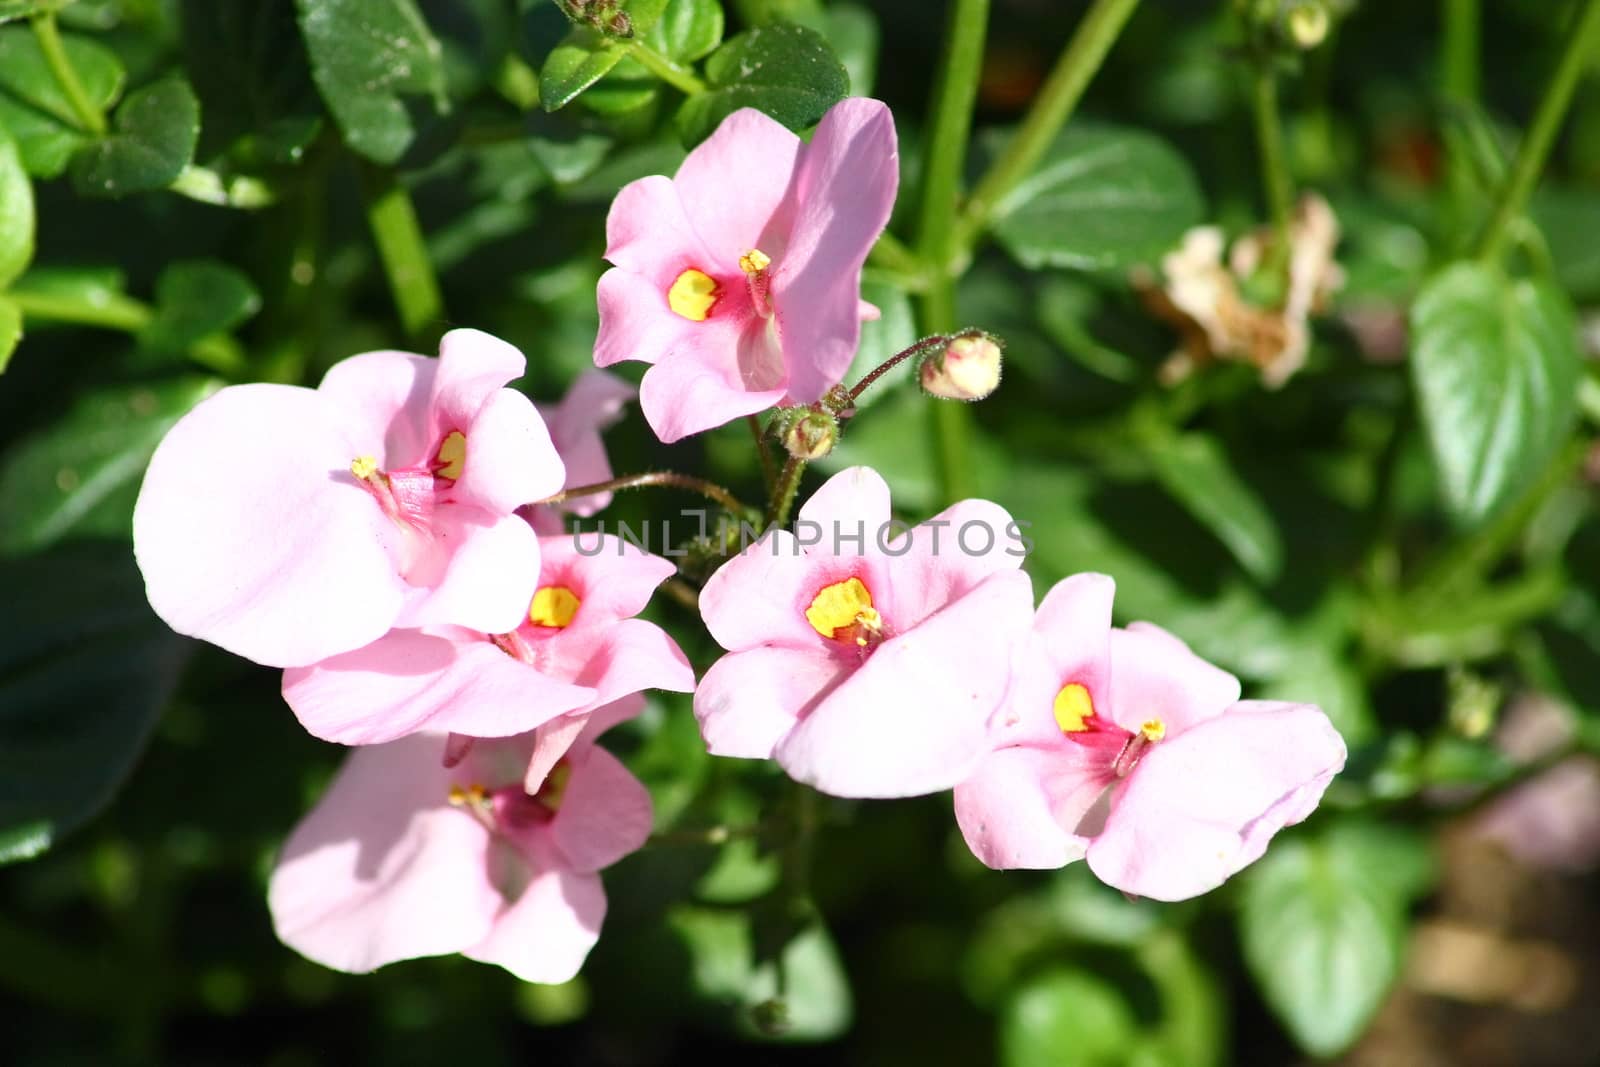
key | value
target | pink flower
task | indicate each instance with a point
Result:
(740, 278)
(873, 672)
(575, 646)
(1125, 747)
(405, 857)
(593, 403)
(288, 524)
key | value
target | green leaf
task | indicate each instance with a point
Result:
(16, 213)
(197, 299)
(1067, 1017)
(687, 30)
(1323, 926)
(853, 32)
(1103, 198)
(153, 140)
(80, 476)
(365, 55)
(10, 331)
(726, 968)
(34, 109)
(1569, 218)
(21, 9)
(1495, 364)
(1195, 469)
(575, 64)
(85, 669)
(787, 71)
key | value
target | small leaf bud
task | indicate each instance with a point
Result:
(968, 368)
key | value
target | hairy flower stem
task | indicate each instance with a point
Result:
(1275, 179)
(1535, 149)
(398, 235)
(55, 54)
(783, 493)
(669, 479)
(895, 360)
(768, 471)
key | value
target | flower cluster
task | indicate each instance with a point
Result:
(393, 539)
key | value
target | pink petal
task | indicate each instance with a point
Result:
(913, 719)
(606, 716)
(382, 400)
(552, 741)
(1020, 806)
(649, 235)
(594, 402)
(613, 579)
(635, 321)
(759, 596)
(855, 498)
(633, 655)
(473, 368)
(733, 186)
(941, 559)
(605, 813)
(510, 458)
(383, 869)
(721, 370)
(1070, 644)
(1200, 806)
(1155, 676)
(748, 701)
(252, 534)
(491, 574)
(409, 680)
(844, 190)
(547, 934)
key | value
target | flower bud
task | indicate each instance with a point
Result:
(807, 433)
(968, 368)
(1306, 23)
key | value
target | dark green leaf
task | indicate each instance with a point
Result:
(626, 90)
(853, 32)
(574, 65)
(197, 299)
(153, 140)
(21, 9)
(10, 331)
(250, 72)
(1495, 364)
(1195, 469)
(1323, 926)
(365, 55)
(16, 213)
(1103, 198)
(85, 668)
(1067, 1017)
(687, 30)
(789, 72)
(1569, 217)
(81, 475)
(32, 105)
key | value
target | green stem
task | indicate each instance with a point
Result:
(951, 122)
(1461, 24)
(679, 77)
(768, 470)
(783, 493)
(218, 352)
(404, 253)
(1541, 134)
(895, 360)
(1057, 99)
(55, 54)
(669, 479)
(892, 255)
(1275, 180)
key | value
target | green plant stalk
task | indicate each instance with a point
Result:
(951, 123)
(55, 54)
(398, 235)
(890, 254)
(667, 479)
(674, 74)
(1057, 99)
(1535, 148)
(783, 493)
(218, 352)
(1275, 179)
(769, 471)
(1462, 21)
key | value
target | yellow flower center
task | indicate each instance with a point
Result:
(1073, 708)
(451, 455)
(553, 606)
(692, 295)
(364, 467)
(844, 609)
(1153, 729)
